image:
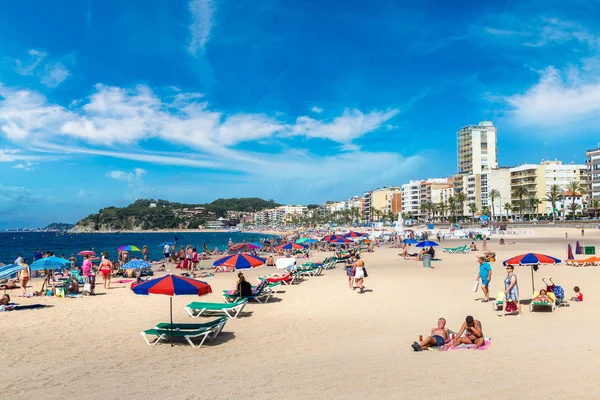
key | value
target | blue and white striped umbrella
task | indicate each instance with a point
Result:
(9, 270)
(136, 264)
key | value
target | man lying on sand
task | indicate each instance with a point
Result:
(439, 337)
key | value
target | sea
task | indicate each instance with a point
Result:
(26, 243)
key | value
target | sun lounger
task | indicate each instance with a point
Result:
(162, 334)
(457, 250)
(499, 302)
(583, 263)
(231, 310)
(538, 305)
(217, 325)
(261, 293)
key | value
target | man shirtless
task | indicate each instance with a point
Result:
(474, 333)
(439, 337)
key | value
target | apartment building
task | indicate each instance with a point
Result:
(538, 178)
(381, 199)
(592, 163)
(477, 148)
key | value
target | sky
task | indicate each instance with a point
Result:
(103, 102)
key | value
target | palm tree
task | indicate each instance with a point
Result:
(473, 210)
(460, 199)
(534, 202)
(427, 208)
(573, 207)
(495, 195)
(377, 214)
(508, 207)
(442, 207)
(553, 196)
(452, 207)
(595, 205)
(575, 188)
(520, 192)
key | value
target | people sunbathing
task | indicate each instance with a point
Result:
(473, 333)
(473, 246)
(542, 297)
(439, 337)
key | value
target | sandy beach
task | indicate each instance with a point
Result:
(319, 339)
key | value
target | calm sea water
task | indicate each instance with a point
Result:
(26, 243)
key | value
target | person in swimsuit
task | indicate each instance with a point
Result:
(439, 337)
(542, 297)
(145, 252)
(24, 277)
(359, 273)
(473, 333)
(106, 267)
(485, 274)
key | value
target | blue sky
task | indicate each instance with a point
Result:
(102, 102)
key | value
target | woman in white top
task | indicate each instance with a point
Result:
(359, 273)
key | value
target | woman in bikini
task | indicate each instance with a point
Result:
(24, 277)
(106, 267)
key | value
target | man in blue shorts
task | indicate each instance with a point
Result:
(439, 337)
(485, 274)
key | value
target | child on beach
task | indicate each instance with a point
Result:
(578, 295)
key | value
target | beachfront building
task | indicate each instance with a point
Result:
(417, 193)
(565, 207)
(592, 162)
(379, 203)
(538, 178)
(498, 179)
(411, 198)
(477, 148)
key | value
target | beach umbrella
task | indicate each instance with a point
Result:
(252, 246)
(569, 252)
(353, 234)
(301, 240)
(239, 261)
(128, 248)
(410, 241)
(533, 260)
(330, 238)
(49, 263)
(308, 241)
(9, 270)
(87, 253)
(237, 247)
(136, 264)
(426, 243)
(172, 285)
(290, 246)
(578, 248)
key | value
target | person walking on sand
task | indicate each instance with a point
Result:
(24, 277)
(359, 273)
(511, 290)
(485, 274)
(106, 267)
(350, 272)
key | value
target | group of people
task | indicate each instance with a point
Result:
(470, 333)
(356, 272)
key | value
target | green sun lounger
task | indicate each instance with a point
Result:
(166, 334)
(231, 310)
(186, 327)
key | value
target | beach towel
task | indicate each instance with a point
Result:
(447, 347)
(27, 307)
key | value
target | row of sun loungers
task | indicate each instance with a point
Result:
(583, 263)
(230, 309)
(457, 250)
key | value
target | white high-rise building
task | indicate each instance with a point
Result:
(477, 148)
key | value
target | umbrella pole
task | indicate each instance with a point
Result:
(171, 327)
(532, 282)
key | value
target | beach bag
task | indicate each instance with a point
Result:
(60, 292)
(511, 306)
(87, 288)
(365, 271)
(476, 286)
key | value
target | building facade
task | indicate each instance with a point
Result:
(380, 202)
(592, 163)
(477, 148)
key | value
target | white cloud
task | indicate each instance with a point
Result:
(26, 166)
(54, 75)
(202, 13)
(12, 155)
(130, 177)
(350, 125)
(317, 110)
(556, 100)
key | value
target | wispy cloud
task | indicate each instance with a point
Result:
(202, 15)
(26, 166)
(51, 73)
(130, 177)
